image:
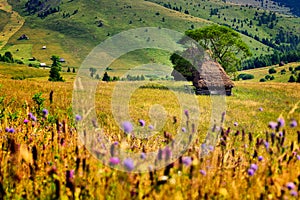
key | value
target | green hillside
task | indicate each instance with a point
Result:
(71, 29)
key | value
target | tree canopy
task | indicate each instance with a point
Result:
(55, 70)
(224, 44)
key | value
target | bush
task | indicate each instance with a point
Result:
(297, 68)
(262, 80)
(272, 78)
(291, 69)
(267, 77)
(272, 71)
(292, 79)
(283, 71)
(245, 76)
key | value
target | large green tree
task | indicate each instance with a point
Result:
(224, 44)
(55, 70)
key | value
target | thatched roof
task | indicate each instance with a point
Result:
(212, 75)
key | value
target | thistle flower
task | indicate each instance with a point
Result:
(26, 121)
(267, 145)
(250, 172)
(45, 112)
(186, 160)
(183, 129)
(151, 127)
(260, 109)
(235, 124)
(298, 157)
(260, 158)
(280, 134)
(186, 112)
(294, 193)
(142, 123)
(127, 127)
(143, 156)
(272, 125)
(168, 153)
(6, 129)
(114, 161)
(203, 172)
(254, 167)
(128, 163)
(293, 124)
(290, 185)
(11, 130)
(78, 117)
(281, 122)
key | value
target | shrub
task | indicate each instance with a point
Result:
(292, 79)
(262, 80)
(297, 68)
(272, 71)
(245, 76)
(272, 78)
(267, 77)
(283, 71)
(291, 69)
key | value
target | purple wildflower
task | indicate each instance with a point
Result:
(280, 134)
(114, 161)
(142, 122)
(293, 124)
(254, 167)
(251, 172)
(290, 185)
(186, 160)
(294, 193)
(186, 112)
(298, 157)
(72, 172)
(267, 145)
(203, 172)
(11, 130)
(281, 122)
(127, 127)
(272, 125)
(6, 129)
(260, 158)
(78, 117)
(26, 121)
(235, 124)
(45, 112)
(260, 109)
(210, 147)
(128, 163)
(143, 156)
(151, 127)
(183, 129)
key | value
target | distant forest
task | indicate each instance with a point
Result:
(293, 4)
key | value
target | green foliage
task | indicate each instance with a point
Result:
(272, 78)
(298, 78)
(69, 70)
(245, 76)
(267, 77)
(291, 69)
(297, 68)
(283, 71)
(183, 69)
(74, 71)
(39, 100)
(92, 71)
(225, 45)
(55, 70)
(292, 79)
(7, 57)
(106, 77)
(272, 71)
(262, 80)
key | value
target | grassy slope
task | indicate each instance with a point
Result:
(72, 38)
(231, 11)
(262, 72)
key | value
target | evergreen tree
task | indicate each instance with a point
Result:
(69, 70)
(106, 77)
(74, 70)
(55, 70)
(292, 79)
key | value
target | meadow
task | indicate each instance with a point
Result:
(257, 155)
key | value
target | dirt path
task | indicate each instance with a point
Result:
(14, 24)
